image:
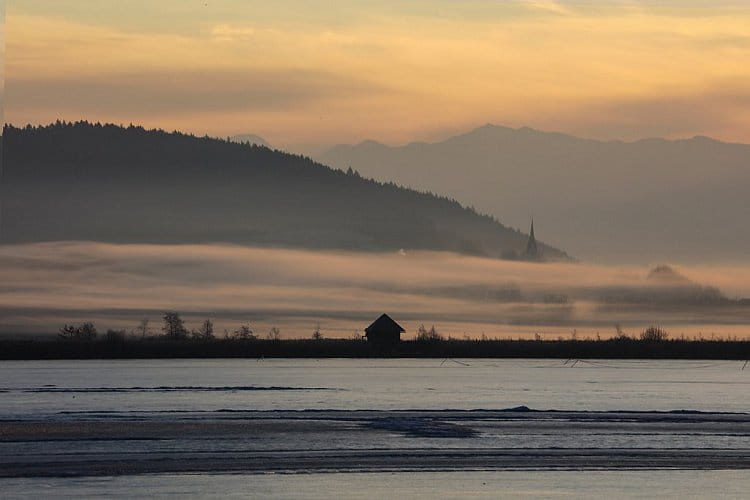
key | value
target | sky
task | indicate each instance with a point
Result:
(306, 75)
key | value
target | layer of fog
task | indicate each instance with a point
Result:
(46, 285)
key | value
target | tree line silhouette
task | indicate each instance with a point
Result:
(175, 340)
(173, 329)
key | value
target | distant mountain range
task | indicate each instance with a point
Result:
(645, 201)
(107, 183)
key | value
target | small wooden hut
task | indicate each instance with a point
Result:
(384, 331)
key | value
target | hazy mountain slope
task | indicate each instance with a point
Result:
(92, 182)
(642, 201)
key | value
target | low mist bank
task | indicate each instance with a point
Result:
(116, 286)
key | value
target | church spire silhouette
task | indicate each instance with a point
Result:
(532, 252)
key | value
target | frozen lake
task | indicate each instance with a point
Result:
(36, 388)
(535, 428)
(684, 485)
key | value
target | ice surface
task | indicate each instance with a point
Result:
(97, 418)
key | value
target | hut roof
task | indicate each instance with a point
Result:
(384, 322)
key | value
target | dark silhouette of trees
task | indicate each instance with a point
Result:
(307, 348)
(274, 333)
(115, 336)
(205, 332)
(85, 331)
(431, 335)
(619, 333)
(317, 334)
(244, 332)
(142, 329)
(174, 327)
(654, 334)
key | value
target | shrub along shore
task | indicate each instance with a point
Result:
(160, 347)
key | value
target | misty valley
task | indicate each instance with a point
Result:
(426, 249)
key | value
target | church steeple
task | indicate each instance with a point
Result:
(532, 252)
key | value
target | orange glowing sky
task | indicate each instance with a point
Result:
(308, 74)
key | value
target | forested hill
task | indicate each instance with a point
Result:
(82, 181)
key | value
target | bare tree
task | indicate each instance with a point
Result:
(174, 327)
(205, 332)
(274, 334)
(86, 331)
(425, 335)
(317, 335)
(620, 333)
(142, 329)
(67, 332)
(114, 336)
(244, 332)
(654, 334)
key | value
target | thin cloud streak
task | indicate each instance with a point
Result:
(157, 93)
